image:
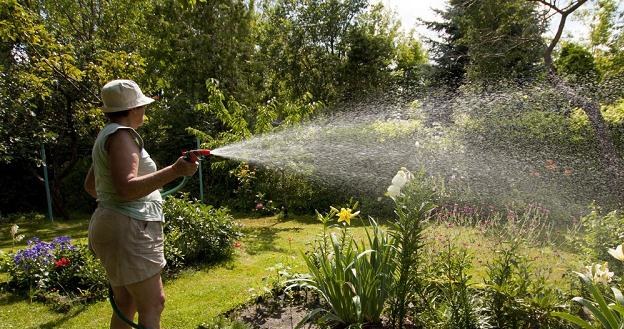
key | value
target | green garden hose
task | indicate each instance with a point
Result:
(111, 298)
(175, 189)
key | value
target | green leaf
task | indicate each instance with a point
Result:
(573, 319)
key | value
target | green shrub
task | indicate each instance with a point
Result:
(460, 303)
(598, 233)
(606, 311)
(55, 268)
(515, 296)
(197, 233)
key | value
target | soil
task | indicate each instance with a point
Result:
(276, 312)
(281, 311)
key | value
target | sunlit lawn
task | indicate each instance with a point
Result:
(199, 294)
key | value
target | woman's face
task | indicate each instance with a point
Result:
(137, 115)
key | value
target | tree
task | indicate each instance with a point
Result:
(193, 44)
(371, 51)
(607, 40)
(504, 39)
(56, 54)
(583, 99)
(411, 57)
(304, 44)
(451, 56)
(487, 40)
(575, 60)
(602, 27)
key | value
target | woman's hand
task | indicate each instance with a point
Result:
(185, 167)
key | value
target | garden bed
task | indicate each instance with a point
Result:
(276, 311)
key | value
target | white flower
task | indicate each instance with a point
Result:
(14, 229)
(617, 253)
(393, 191)
(399, 179)
(599, 273)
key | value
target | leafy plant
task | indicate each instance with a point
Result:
(57, 267)
(195, 232)
(414, 197)
(606, 313)
(353, 278)
(461, 300)
(515, 297)
(598, 233)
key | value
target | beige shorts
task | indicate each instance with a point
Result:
(131, 250)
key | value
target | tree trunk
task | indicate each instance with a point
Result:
(58, 202)
(609, 157)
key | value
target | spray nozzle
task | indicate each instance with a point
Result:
(194, 155)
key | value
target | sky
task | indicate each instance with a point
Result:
(409, 10)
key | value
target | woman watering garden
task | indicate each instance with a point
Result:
(126, 231)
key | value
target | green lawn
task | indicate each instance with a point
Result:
(199, 294)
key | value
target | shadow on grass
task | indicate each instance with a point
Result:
(8, 299)
(58, 323)
(263, 239)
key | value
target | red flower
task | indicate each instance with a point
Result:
(62, 262)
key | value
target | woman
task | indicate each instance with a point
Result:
(125, 231)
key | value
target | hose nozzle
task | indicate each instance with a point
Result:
(195, 155)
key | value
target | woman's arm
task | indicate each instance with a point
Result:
(89, 183)
(123, 160)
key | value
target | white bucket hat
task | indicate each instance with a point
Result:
(121, 95)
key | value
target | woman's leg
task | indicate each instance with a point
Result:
(125, 303)
(149, 297)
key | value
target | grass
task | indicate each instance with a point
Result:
(199, 294)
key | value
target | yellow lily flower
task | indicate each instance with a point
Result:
(345, 215)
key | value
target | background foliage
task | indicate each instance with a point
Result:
(228, 69)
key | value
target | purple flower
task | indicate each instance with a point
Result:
(63, 243)
(40, 253)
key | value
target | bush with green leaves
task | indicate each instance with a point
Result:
(197, 233)
(457, 303)
(598, 233)
(517, 297)
(353, 278)
(56, 270)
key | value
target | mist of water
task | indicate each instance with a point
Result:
(360, 149)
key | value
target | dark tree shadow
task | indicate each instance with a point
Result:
(263, 239)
